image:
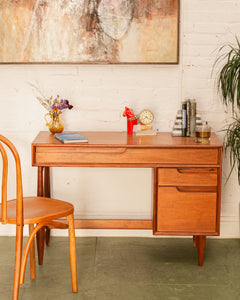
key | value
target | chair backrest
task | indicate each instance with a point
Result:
(19, 194)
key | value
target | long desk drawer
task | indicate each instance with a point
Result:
(114, 155)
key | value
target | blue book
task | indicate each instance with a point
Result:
(71, 137)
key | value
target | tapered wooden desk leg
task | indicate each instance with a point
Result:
(201, 240)
(48, 233)
(40, 244)
(47, 193)
(41, 232)
(195, 240)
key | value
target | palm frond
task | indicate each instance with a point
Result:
(228, 78)
(232, 143)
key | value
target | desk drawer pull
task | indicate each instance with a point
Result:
(83, 149)
(196, 189)
(102, 151)
(196, 170)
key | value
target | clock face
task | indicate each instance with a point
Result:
(146, 117)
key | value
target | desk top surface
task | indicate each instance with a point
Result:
(122, 139)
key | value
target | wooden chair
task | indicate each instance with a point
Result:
(36, 212)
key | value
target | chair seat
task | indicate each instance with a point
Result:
(38, 209)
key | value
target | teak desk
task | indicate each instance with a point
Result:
(186, 185)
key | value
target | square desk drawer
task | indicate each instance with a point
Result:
(187, 176)
(114, 155)
(180, 211)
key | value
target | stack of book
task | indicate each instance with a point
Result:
(186, 119)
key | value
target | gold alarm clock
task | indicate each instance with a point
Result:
(145, 118)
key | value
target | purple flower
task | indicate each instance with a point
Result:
(63, 104)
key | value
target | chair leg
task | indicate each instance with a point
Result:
(18, 256)
(32, 254)
(72, 251)
(27, 249)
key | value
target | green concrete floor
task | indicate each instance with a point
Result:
(129, 268)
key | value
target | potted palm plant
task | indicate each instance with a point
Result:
(228, 84)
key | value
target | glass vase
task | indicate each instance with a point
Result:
(54, 122)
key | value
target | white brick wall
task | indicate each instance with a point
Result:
(99, 94)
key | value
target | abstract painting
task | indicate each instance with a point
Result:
(89, 31)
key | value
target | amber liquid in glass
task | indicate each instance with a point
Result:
(203, 136)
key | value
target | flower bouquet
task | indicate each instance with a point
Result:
(55, 107)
